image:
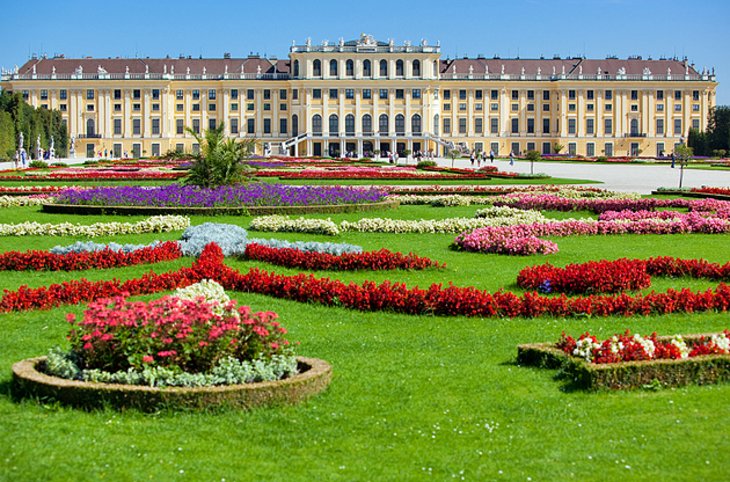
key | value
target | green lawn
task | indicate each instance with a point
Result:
(412, 398)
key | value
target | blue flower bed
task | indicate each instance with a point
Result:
(87, 246)
(253, 194)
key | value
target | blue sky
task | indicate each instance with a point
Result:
(528, 28)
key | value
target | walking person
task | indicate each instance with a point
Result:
(491, 156)
(471, 158)
(673, 159)
(511, 158)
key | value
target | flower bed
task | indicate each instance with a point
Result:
(154, 224)
(102, 259)
(370, 260)
(629, 362)
(97, 176)
(28, 200)
(552, 202)
(573, 191)
(370, 296)
(616, 276)
(30, 190)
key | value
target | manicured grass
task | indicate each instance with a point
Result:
(412, 397)
(409, 182)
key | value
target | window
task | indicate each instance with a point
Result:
(250, 106)
(530, 146)
(317, 124)
(296, 68)
(91, 128)
(436, 124)
(399, 68)
(696, 124)
(367, 94)
(294, 125)
(63, 95)
(546, 107)
(416, 124)
(572, 148)
(90, 107)
(478, 107)
(677, 95)
(400, 125)
(267, 94)
(136, 107)
(282, 106)
(180, 148)
(660, 107)
(546, 126)
(478, 125)
(515, 147)
(196, 148)
(234, 94)
(234, 106)
(589, 107)
(659, 95)
(659, 149)
(546, 148)
(660, 127)
(608, 95)
(367, 69)
(283, 126)
(608, 107)
(90, 94)
(267, 106)
(155, 149)
(349, 125)
(178, 94)
(571, 94)
(530, 107)
(494, 94)
(634, 127)
(349, 68)
(416, 66)
(515, 95)
(478, 94)
(26, 95)
(515, 107)
(196, 107)
(447, 106)
(211, 107)
(462, 125)
(249, 94)
(383, 93)
(545, 95)
(333, 68)
(399, 94)
(608, 127)
(155, 94)
(267, 126)
(196, 126)
(211, 124)
(383, 125)
(316, 93)
(178, 107)
(677, 107)
(333, 93)
(677, 127)
(334, 125)
(634, 95)
(462, 94)
(136, 127)
(695, 95)
(282, 94)
(530, 127)
(494, 125)
(349, 93)
(383, 68)
(590, 126)
(447, 126)
(634, 107)
(233, 122)
(251, 126)
(695, 107)
(571, 107)
(589, 94)
(515, 126)
(317, 68)
(156, 127)
(196, 94)
(367, 125)
(571, 126)
(44, 94)
(62, 107)
(295, 94)
(447, 94)
(117, 107)
(117, 127)
(416, 93)
(179, 126)
(590, 149)
(608, 149)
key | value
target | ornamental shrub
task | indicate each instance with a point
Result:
(423, 164)
(230, 238)
(220, 160)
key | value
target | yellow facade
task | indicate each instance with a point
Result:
(363, 96)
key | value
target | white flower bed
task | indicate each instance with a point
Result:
(279, 223)
(17, 201)
(154, 224)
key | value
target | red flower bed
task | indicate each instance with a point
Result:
(712, 190)
(396, 174)
(107, 258)
(371, 260)
(370, 296)
(615, 276)
(107, 176)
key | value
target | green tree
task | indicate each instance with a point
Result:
(683, 154)
(532, 156)
(454, 154)
(698, 141)
(7, 136)
(718, 128)
(219, 161)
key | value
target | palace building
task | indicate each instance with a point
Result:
(366, 96)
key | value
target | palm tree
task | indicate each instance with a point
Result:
(219, 161)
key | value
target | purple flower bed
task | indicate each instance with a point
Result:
(254, 194)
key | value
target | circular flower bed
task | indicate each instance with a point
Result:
(197, 340)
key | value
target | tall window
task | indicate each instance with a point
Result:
(416, 125)
(660, 127)
(333, 68)
(317, 68)
(383, 125)
(349, 68)
(294, 125)
(515, 126)
(399, 68)
(367, 69)
(367, 125)
(334, 125)
(416, 68)
(90, 128)
(349, 125)
(608, 127)
(400, 125)
(383, 68)
(317, 124)
(677, 127)
(571, 126)
(436, 124)
(634, 127)
(590, 129)
(296, 68)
